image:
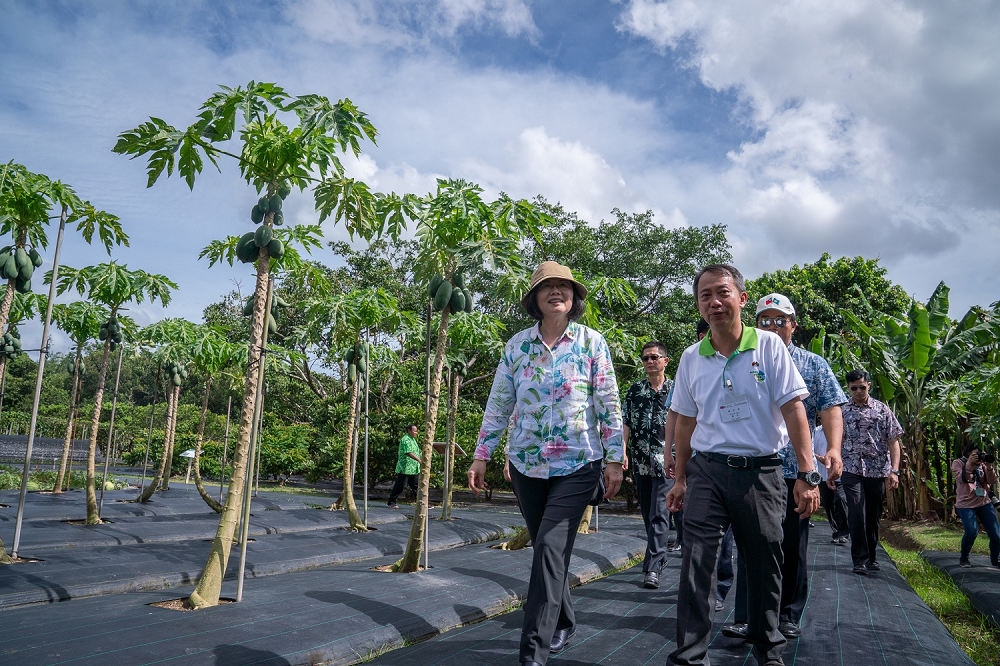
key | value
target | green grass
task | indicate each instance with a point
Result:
(973, 631)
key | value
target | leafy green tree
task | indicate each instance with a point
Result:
(274, 158)
(110, 285)
(823, 291)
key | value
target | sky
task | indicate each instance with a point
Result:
(854, 128)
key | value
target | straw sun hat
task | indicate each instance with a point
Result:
(551, 270)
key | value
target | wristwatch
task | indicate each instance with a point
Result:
(811, 477)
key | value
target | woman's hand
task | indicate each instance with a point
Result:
(612, 479)
(477, 476)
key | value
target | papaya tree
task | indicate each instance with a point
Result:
(458, 231)
(350, 316)
(111, 285)
(28, 204)
(246, 124)
(81, 321)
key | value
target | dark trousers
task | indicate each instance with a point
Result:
(402, 480)
(795, 549)
(552, 509)
(652, 491)
(864, 510)
(724, 571)
(835, 503)
(753, 502)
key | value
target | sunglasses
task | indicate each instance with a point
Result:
(779, 322)
(652, 357)
(857, 388)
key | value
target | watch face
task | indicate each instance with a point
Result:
(812, 478)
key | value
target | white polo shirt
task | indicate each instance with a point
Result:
(737, 400)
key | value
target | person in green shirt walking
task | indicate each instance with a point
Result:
(408, 465)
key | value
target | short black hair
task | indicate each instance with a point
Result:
(531, 304)
(855, 375)
(659, 346)
(723, 269)
(701, 328)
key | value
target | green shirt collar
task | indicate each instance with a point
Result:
(748, 340)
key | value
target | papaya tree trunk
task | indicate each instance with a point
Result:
(452, 419)
(73, 406)
(93, 516)
(209, 587)
(346, 500)
(164, 468)
(517, 542)
(169, 437)
(209, 500)
(6, 303)
(410, 561)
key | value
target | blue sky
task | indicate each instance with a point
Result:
(856, 128)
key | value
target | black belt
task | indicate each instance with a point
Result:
(742, 462)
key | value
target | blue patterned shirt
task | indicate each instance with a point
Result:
(868, 429)
(824, 392)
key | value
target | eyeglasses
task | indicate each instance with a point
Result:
(651, 357)
(863, 387)
(779, 322)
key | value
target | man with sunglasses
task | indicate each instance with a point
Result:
(644, 418)
(871, 466)
(776, 313)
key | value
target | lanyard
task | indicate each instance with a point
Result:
(726, 381)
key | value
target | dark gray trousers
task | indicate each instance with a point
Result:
(652, 492)
(794, 569)
(753, 502)
(552, 509)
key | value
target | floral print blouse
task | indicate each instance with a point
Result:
(561, 404)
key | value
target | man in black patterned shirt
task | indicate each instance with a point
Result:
(644, 417)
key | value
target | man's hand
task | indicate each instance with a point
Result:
(806, 498)
(477, 476)
(892, 481)
(834, 465)
(675, 496)
(612, 479)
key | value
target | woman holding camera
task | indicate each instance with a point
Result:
(974, 479)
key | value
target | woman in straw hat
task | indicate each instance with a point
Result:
(556, 386)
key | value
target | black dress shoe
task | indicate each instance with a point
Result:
(560, 639)
(789, 629)
(860, 569)
(873, 566)
(739, 630)
(651, 580)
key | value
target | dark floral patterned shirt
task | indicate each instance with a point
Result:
(645, 413)
(868, 429)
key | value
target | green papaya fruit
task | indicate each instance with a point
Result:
(272, 325)
(442, 296)
(22, 286)
(36, 259)
(274, 203)
(362, 364)
(278, 219)
(352, 373)
(246, 249)
(9, 267)
(23, 260)
(284, 190)
(433, 286)
(459, 280)
(263, 235)
(117, 336)
(349, 356)
(265, 204)
(26, 271)
(468, 300)
(276, 249)
(256, 214)
(282, 303)
(248, 308)
(176, 380)
(457, 301)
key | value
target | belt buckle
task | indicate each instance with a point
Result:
(732, 461)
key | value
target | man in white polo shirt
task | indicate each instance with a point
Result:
(739, 386)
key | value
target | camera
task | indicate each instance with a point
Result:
(987, 456)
